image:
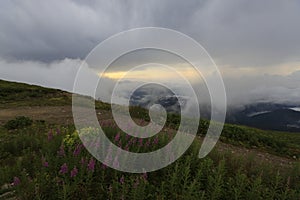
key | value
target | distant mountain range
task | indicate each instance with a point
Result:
(269, 116)
(280, 117)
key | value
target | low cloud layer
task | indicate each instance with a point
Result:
(263, 88)
(240, 90)
(59, 74)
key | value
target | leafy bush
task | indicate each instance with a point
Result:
(19, 122)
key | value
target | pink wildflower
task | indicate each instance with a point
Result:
(120, 143)
(155, 141)
(16, 182)
(104, 166)
(141, 142)
(44, 162)
(117, 138)
(77, 150)
(145, 176)
(74, 172)
(122, 180)
(63, 169)
(91, 165)
(147, 144)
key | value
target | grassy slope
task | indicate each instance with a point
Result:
(14, 95)
(220, 176)
(19, 94)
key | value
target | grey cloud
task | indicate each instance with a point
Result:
(263, 88)
(240, 90)
(41, 30)
(44, 42)
(252, 33)
(238, 33)
(58, 74)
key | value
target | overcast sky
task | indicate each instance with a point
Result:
(256, 44)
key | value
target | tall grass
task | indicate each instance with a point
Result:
(48, 162)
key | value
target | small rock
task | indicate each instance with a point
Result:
(5, 186)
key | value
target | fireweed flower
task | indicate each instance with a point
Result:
(58, 131)
(44, 162)
(63, 169)
(155, 141)
(127, 148)
(147, 144)
(77, 150)
(74, 172)
(16, 181)
(117, 137)
(120, 143)
(141, 142)
(122, 180)
(91, 165)
(104, 166)
(145, 176)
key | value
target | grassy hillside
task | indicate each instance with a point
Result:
(20, 94)
(43, 160)
(279, 143)
(14, 95)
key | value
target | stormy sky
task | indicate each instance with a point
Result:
(255, 44)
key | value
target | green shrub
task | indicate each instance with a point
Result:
(19, 122)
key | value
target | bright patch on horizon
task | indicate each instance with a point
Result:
(154, 73)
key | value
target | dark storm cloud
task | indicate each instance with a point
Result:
(238, 33)
(44, 42)
(49, 30)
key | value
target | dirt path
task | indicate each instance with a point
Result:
(51, 114)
